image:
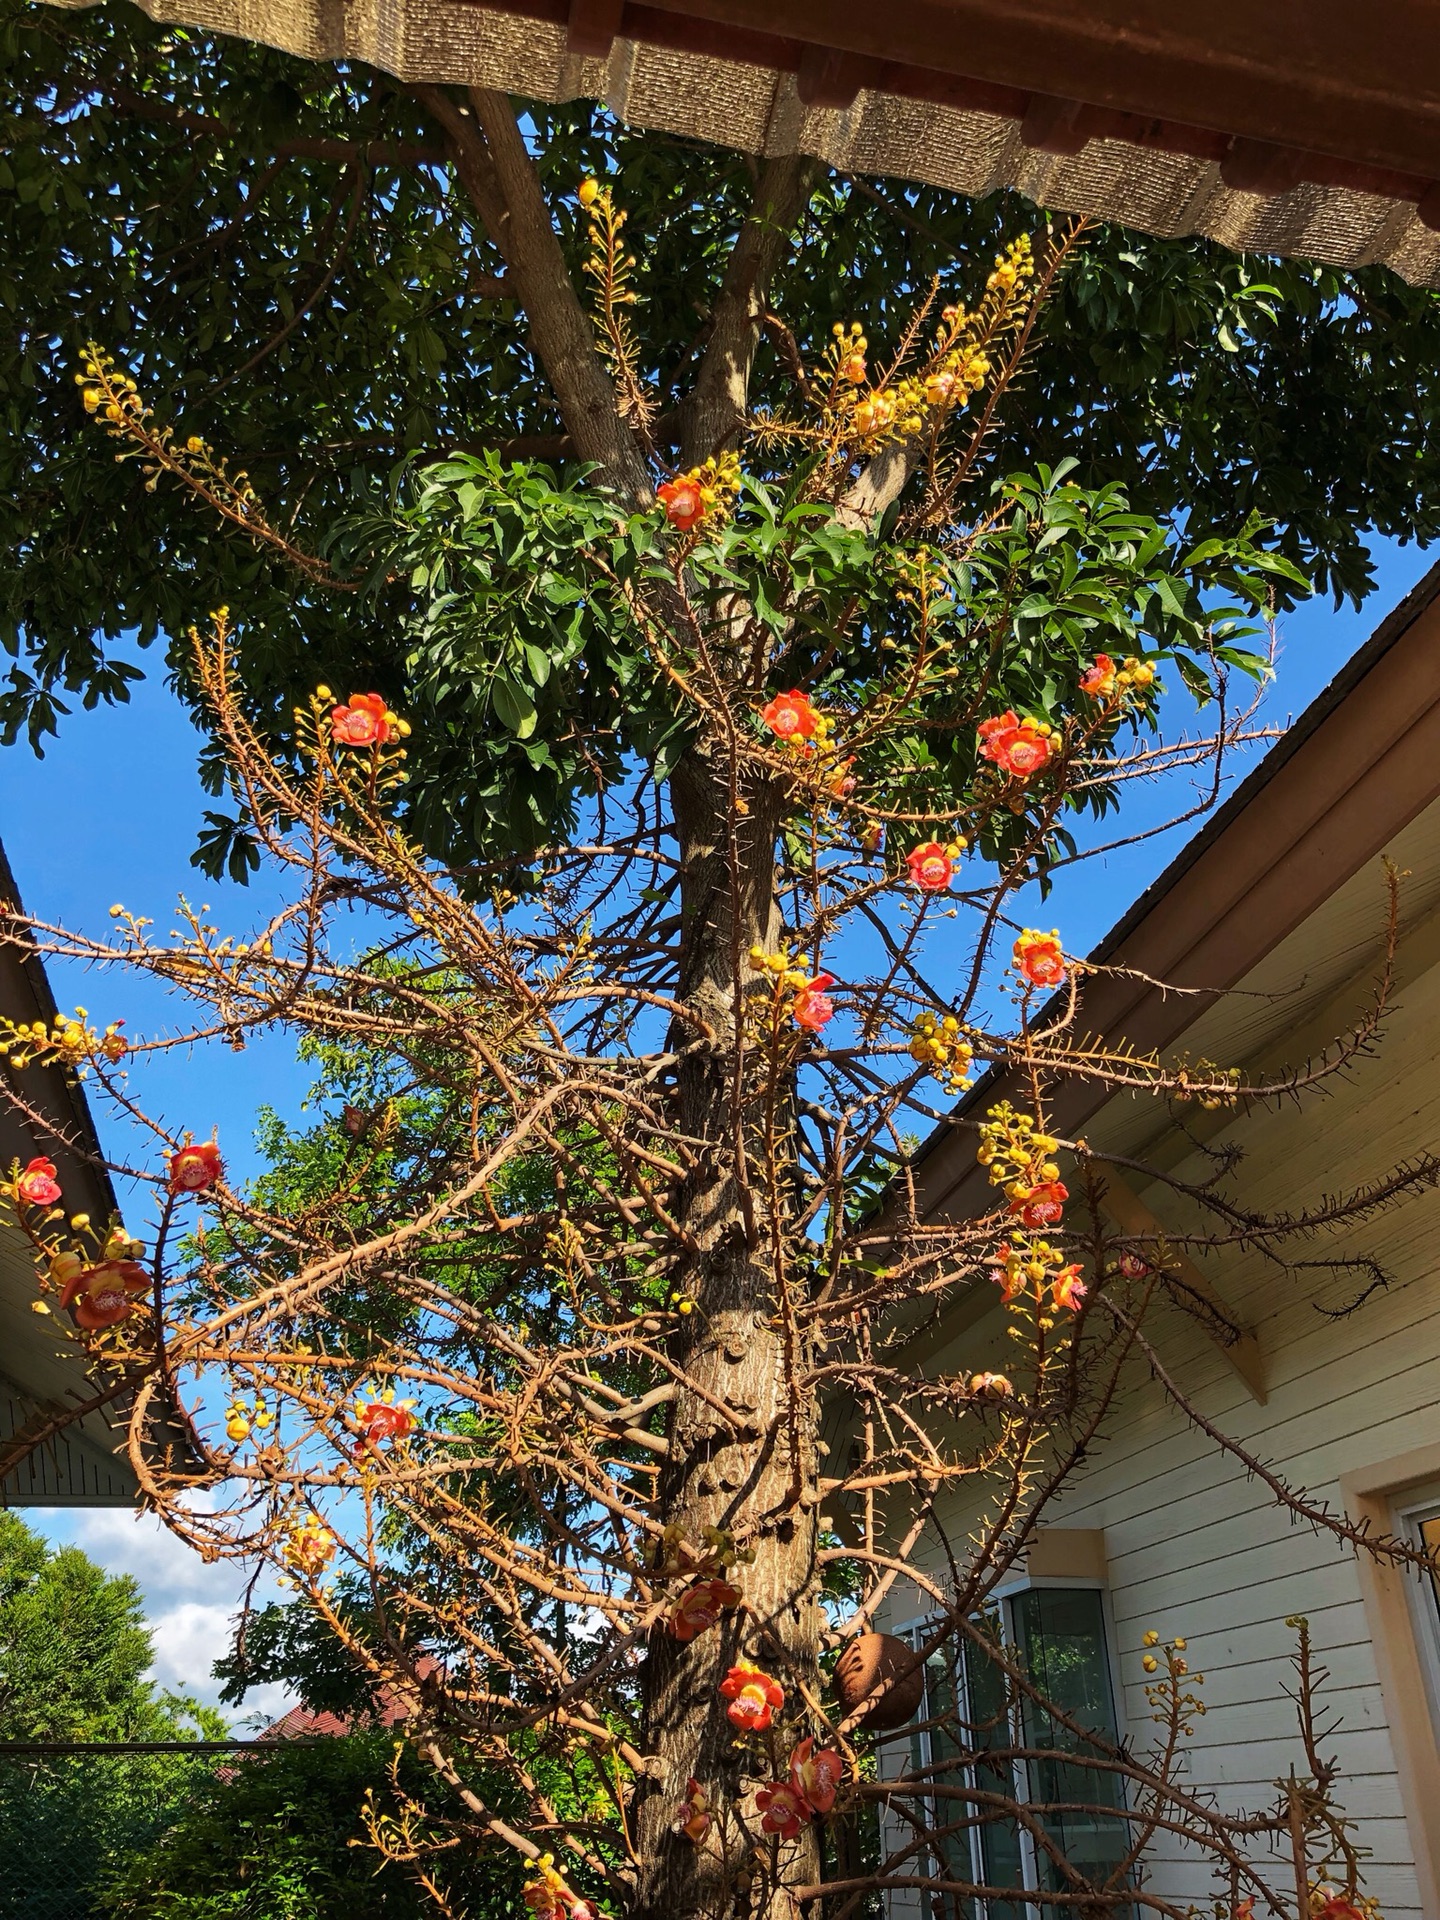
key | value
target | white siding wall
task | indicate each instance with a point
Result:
(1198, 1549)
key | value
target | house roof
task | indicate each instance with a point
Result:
(39, 1373)
(1299, 127)
(1289, 851)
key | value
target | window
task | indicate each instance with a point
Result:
(1419, 1522)
(1060, 1633)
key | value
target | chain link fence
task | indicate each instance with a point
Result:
(70, 1820)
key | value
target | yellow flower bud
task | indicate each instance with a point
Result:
(588, 192)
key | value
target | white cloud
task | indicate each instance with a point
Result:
(190, 1604)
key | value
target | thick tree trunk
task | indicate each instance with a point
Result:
(754, 1473)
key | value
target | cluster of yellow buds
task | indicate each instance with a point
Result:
(786, 969)
(310, 1549)
(1012, 267)
(240, 1417)
(676, 1553)
(106, 391)
(120, 1245)
(1135, 673)
(941, 1045)
(1014, 1151)
(1210, 1086)
(547, 1895)
(1174, 1692)
(1032, 1268)
(845, 358)
(67, 1041)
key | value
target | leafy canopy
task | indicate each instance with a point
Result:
(283, 253)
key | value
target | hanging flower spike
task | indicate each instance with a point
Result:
(700, 1607)
(683, 501)
(813, 1005)
(783, 1809)
(193, 1169)
(101, 1296)
(1041, 1205)
(932, 867)
(1098, 679)
(1068, 1288)
(815, 1776)
(753, 1696)
(991, 1386)
(37, 1185)
(692, 1816)
(1017, 747)
(1040, 958)
(364, 721)
(790, 716)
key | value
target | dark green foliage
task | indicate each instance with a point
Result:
(280, 1836)
(278, 252)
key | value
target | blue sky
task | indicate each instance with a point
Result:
(111, 813)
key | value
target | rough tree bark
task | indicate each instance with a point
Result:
(742, 1456)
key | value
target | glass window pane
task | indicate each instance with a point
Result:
(1062, 1635)
(1430, 1539)
(989, 1731)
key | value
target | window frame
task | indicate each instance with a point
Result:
(1415, 1506)
(913, 1631)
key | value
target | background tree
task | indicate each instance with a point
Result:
(74, 1652)
(311, 265)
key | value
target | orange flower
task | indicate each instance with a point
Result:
(699, 1607)
(692, 1816)
(753, 1698)
(1068, 1288)
(931, 867)
(813, 1005)
(683, 501)
(790, 716)
(816, 1776)
(1043, 1205)
(1040, 958)
(384, 1420)
(1016, 746)
(1098, 679)
(100, 1296)
(37, 1185)
(1133, 1267)
(1007, 1272)
(364, 721)
(991, 1386)
(783, 1809)
(1327, 1904)
(193, 1169)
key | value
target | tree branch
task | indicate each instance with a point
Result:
(495, 168)
(716, 408)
